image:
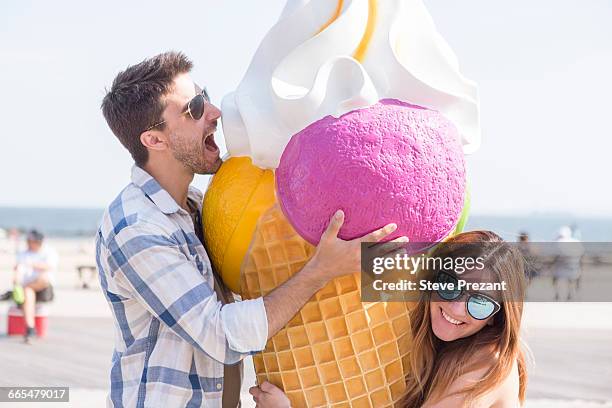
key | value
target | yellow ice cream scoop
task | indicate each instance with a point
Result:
(236, 197)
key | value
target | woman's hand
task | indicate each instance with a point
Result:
(268, 395)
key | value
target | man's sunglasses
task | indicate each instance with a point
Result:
(478, 305)
(195, 108)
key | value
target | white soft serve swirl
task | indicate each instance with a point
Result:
(297, 76)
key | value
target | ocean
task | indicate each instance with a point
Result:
(73, 222)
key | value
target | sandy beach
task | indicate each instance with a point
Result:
(571, 343)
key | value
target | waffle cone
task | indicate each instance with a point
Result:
(337, 351)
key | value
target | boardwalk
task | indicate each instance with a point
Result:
(573, 366)
(76, 353)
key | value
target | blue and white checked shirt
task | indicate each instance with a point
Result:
(172, 334)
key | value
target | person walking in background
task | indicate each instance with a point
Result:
(566, 266)
(531, 264)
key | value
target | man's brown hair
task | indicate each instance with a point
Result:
(135, 100)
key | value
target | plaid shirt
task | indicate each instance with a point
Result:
(172, 334)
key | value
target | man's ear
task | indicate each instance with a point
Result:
(154, 140)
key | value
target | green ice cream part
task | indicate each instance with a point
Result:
(465, 212)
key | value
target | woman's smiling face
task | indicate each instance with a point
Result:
(450, 320)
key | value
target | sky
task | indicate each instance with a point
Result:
(543, 68)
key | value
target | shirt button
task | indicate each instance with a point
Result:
(219, 386)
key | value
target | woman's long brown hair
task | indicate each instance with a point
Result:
(435, 364)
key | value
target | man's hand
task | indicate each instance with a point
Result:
(334, 257)
(268, 395)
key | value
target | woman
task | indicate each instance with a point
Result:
(466, 344)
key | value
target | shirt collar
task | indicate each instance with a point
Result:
(160, 197)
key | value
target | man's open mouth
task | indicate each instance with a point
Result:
(209, 143)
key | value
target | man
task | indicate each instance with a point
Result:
(34, 271)
(180, 339)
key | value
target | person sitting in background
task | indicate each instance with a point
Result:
(34, 271)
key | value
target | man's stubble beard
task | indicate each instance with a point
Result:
(192, 157)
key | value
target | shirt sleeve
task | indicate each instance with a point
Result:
(151, 266)
(256, 336)
(52, 259)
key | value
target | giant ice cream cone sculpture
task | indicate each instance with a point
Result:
(336, 350)
(357, 105)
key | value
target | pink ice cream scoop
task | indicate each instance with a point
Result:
(391, 162)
